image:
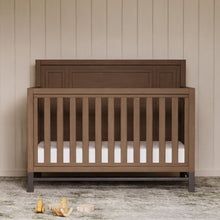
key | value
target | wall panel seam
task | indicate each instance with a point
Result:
(74, 29)
(91, 29)
(213, 84)
(61, 45)
(152, 28)
(76, 25)
(183, 54)
(122, 27)
(30, 42)
(168, 29)
(198, 42)
(137, 28)
(106, 29)
(15, 85)
(45, 18)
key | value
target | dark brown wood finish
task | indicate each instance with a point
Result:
(110, 73)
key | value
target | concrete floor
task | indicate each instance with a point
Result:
(115, 201)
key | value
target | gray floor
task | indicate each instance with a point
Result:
(115, 201)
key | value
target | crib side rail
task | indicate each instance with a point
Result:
(150, 96)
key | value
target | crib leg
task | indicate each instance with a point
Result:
(191, 184)
(30, 182)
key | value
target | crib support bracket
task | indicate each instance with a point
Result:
(30, 182)
(191, 182)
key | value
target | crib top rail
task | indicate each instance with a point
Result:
(68, 92)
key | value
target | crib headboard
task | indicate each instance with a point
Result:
(110, 73)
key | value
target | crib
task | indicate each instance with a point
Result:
(109, 120)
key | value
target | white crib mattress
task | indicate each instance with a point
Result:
(117, 152)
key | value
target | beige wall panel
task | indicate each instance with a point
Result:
(206, 77)
(7, 87)
(145, 28)
(114, 28)
(22, 77)
(99, 28)
(37, 34)
(175, 41)
(160, 29)
(84, 29)
(191, 54)
(53, 30)
(129, 29)
(68, 29)
(217, 88)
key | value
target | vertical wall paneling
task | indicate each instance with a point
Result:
(206, 70)
(84, 28)
(114, 25)
(37, 34)
(53, 33)
(7, 86)
(160, 29)
(216, 86)
(68, 29)
(191, 54)
(99, 28)
(22, 76)
(113, 29)
(129, 29)
(1, 72)
(145, 28)
(175, 41)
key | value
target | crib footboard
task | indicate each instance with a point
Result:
(111, 130)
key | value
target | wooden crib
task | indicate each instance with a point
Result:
(110, 119)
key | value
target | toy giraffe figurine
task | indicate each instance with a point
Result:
(64, 205)
(62, 209)
(40, 205)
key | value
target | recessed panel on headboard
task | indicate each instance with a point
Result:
(110, 73)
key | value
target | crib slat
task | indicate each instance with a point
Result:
(47, 130)
(36, 130)
(111, 139)
(149, 128)
(123, 130)
(136, 131)
(59, 130)
(162, 129)
(72, 130)
(175, 130)
(98, 129)
(186, 128)
(85, 130)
